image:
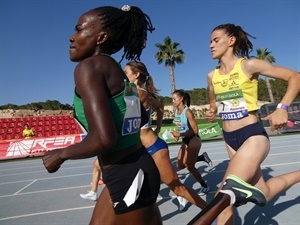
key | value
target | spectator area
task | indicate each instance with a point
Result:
(44, 126)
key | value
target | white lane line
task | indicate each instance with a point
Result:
(44, 170)
(48, 190)
(66, 210)
(48, 212)
(50, 178)
(24, 187)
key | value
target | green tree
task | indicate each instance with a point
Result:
(263, 90)
(170, 55)
(48, 105)
(263, 54)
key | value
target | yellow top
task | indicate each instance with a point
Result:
(28, 133)
(233, 82)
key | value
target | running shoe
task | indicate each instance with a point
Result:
(243, 192)
(203, 191)
(90, 196)
(181, 203)
(207, 159)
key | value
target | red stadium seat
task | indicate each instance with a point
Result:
(10, 131)
(54, 133)
(47, 134)
(40, 134)
(4, 125)
(18, 136)
(66, 132)
(27, 120)
(20, 119)
(18, 130)
(66, 122)
(39, 129)
(61, 132)
(71, 121)
(12, 124)
(46, 118)
(46, 128)
(19, 124)
(73, 132)
(2, 131)
(5, 120)
(9, 136)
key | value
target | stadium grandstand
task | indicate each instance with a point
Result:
(44, 126)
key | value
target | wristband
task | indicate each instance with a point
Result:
(282, 106)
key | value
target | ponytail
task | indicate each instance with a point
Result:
(242, 46)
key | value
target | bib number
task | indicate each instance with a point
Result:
(132, 118)
(231, 105)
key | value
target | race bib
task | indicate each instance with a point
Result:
(132, 118)
(180, 127)
(231, 105)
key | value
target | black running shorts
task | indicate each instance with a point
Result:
(124, 178)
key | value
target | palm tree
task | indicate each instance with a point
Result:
(263, 54)
(169, 53)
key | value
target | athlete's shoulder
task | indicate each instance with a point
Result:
(254, 66)
(211, 74)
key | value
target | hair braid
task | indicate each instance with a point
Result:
(136, 42)
(126, 29)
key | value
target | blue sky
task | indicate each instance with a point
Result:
(34, 41)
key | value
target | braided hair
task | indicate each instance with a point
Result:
(127, 28)
(242, 46)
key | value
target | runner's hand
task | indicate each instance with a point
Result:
(210, 115)
(278, 119)
(157, 130)
(52, 160)
(175, 135)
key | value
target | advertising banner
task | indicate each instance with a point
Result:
(21, 148)
(293, 124)
(206, 131)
